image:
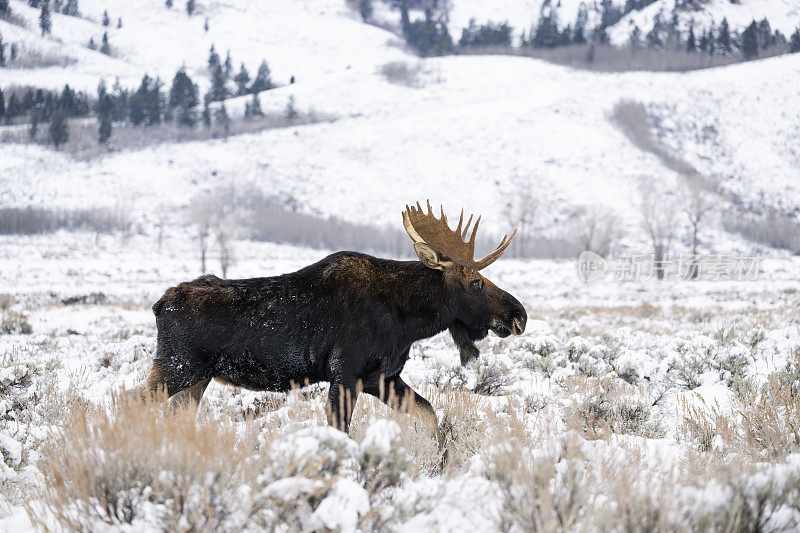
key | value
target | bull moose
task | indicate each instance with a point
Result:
(349, 319)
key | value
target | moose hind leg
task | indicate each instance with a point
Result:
(190, 398)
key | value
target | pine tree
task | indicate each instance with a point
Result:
(213, 59)
(2, 106)
(71, 8)
(45, 23)
(4, 7)
(59, 130)
(92, 45)
(794, 42)
(12, 108)
(206, 115)
(106, 20)
(13, 52)
(691, 44)
(255, 107)
(36, 119)
(168, 3)
(291, 110)
(183, 97)
(724, 37)
(242, 79)
(635, 39)
(579, 35)
(227, 67)
(190, 5)
(750, 41)
(205, 25)
(105, 108)
(218, 91)
(263, 81)
(105, 48)
(2, 52)
(222, 118)
(365, 9)
(35, 3)
(119, 23)
(765, 35)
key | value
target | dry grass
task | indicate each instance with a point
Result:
(13, 322)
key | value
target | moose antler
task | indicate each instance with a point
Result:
(452, 244)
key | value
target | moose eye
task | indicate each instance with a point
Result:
(476, 284)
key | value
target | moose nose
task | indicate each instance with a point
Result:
(519, 325)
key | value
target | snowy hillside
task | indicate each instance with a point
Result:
(469, 133)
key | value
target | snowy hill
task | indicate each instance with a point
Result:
(473, 129)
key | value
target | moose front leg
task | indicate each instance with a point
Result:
(397, 394)
(341, 401)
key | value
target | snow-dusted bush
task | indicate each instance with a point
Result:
(13, 322)
(492, 374)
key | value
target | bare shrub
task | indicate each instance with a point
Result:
(403, 73)
(492, 376)
(14, 323)
(597, 228)
(461, 424)
(6, 301)
(29, 57)
(657, 210)
(599, 407)
(32, 220)
(773, 229)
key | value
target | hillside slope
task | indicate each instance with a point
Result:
(475, 129)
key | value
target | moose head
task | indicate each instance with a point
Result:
(477, 303)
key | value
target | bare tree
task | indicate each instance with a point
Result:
(658, 210)
(201, 213)
(521, 214)
(696, 206)
(161, 221)
(597, 228)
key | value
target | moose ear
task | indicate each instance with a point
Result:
(430, 257)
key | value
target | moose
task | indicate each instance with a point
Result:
(349, 319)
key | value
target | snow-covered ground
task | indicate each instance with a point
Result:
(604, 370)
(672, 404)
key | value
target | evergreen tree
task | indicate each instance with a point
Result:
(119, 23)
(724, 37)
(13, 52)
(36, 119)
(12, 108)
(45, 23)
(218, 91)
(213, 59)
(92, 45)
(106, 20)
(365, 9)
(105, 48)
(222, 118)
(263, 81)
(206, 115)
(691, 44)
(146, 103)
(794, 42)
(546, 34)
(190, 5)
(4, 7)
(2, 52)
(71, 8)
(205, 25)
(2, 106)
(255, 107)
(242, 79)
(227, 67)
(750, 41)
(168, 3)
(35, 3)
(183, 97)
(635, 39)
(579, 35)
(291, 111)
(765, 35)
(59, 130)
(703, 43)
(104, 109)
